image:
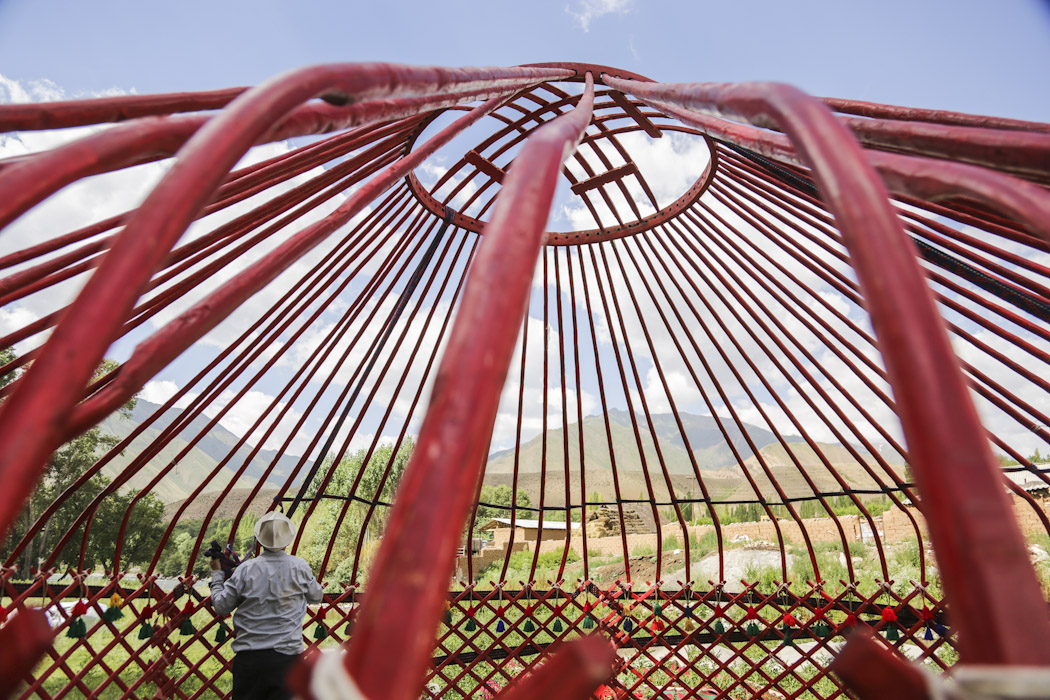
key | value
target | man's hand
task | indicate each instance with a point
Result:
(215, 565)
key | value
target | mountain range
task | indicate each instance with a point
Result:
(699, 446)
(194, 466)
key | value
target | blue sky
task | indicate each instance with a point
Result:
(966, 55)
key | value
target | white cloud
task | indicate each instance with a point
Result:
(586, 11)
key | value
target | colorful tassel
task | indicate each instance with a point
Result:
(77, 628)
(718, 627)
(851, 623)
(80, 608)
(529, 626)
(113, 612)
(889, 620)
(320, 631)
(471, 625)
(589, 623)
(187, 628)
(146, 630)
(558, 627)
(689, 625)
(927, 618)
(752, 629)
(628, 625)
(501, 626)
(788, 642)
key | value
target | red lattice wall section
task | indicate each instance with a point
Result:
(848, 300)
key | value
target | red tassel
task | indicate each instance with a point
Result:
(889, 614)
(470, 611)
(79, 609)
(587, 607)
(790, 620)
(851, 620)
(926, 615)
(819, 614)
(501, 610)
(752, 614)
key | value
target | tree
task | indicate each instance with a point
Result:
(497, 501)
(68, 464)
(6, 356)
(338, 541)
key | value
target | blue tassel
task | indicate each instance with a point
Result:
(500, 626)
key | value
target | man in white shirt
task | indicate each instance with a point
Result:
(270, 593)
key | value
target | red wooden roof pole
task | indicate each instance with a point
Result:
(33, 419)
(979, 547)
(394, 633)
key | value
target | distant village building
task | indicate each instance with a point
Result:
(525, 531)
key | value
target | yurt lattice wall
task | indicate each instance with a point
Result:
(717, 377)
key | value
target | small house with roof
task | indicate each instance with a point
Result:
(525, 531)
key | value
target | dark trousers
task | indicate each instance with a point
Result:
(260, 675)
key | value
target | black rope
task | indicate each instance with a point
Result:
(1021, 299)
(402, 303)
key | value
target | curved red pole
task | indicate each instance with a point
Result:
(394, 632)
(68, 113)
(32, 421)
(979, 546)
(154, 353)
(908, 175)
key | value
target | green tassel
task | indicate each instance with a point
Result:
(628, 624)
(447, 618)
(657, 609)
(146, 630)
(557, 625)
(588, 623)
(187, 628)
(788, 641)
(320, 631)
(751, 630)
(222, 633)
(112, 614)
(821, 629)
(77, 628)
(892, 633)
(719, 628)
(348, 629)
(528, 626)
(471, 625)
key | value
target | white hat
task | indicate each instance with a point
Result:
(274, 530)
